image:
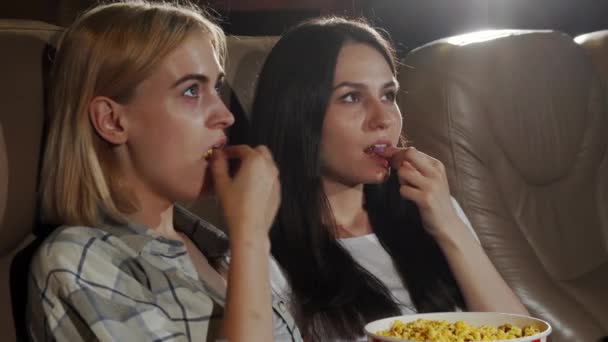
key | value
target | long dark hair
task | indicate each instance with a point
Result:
(333, 296)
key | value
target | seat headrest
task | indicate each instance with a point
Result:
(246, 56)
(596, 44)
(519, 77)
(24, 65)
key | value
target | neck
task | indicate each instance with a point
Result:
(346, 204)
(151, 209)
(157, 217)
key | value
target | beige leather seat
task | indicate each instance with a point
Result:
(24, 64)
(596, 45)
(519, 119)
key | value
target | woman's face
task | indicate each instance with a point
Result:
(361, 113)
(175, 117)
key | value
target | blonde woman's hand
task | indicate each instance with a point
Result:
(250, 198)
(423, 180)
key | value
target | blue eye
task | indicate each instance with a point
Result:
(218, 87)
(192, 91)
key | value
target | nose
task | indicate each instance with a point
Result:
(220, 116)
(380, 117)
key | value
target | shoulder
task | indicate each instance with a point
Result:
(75, 240)
(72, 250)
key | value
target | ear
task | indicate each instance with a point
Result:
(109, 120)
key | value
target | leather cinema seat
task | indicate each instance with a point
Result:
(596, 45)
(519, 119)
(24, 64)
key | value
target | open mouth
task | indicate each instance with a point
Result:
(217, 146)
(375, 152)
(375, 148)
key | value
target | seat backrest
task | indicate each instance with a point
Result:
(519, 119)
(24, 63)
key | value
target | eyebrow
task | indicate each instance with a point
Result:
(391, 83)
(197, 77)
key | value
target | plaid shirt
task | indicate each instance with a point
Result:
(128, 283)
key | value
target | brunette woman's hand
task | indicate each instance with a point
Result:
(423, 180)
(250, 198)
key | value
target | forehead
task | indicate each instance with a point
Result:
(357, 61)
(195, 55)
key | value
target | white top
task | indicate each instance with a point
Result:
(369, 253)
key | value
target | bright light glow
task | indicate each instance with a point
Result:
(482, 36)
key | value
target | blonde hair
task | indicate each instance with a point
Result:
(108, 51)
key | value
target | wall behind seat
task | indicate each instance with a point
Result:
(411, 22)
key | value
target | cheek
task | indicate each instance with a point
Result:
(398, 127)
(341, 128)
(180, 167)
(340, 147)
(169, 141)
(182, 127)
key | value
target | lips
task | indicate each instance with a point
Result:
(373, 151)
(219, 145)
(376, 148)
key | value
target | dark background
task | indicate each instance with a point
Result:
(410, 22)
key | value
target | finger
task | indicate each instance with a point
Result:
(389, 152)
(411, 193)
(407, 174)
(237, 151)
(219, 171)
(265, 152)
(395, 155)
(424, 163)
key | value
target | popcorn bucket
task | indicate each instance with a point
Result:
(474, 319)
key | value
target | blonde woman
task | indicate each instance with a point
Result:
(137, 125)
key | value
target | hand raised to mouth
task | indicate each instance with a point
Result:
(423, 180)
(218, 146)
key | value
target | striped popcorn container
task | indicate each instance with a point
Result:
(475, 322)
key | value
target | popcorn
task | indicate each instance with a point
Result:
(208, 153)
(443, 331)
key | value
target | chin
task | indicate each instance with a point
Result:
(377, 178)
(354, 176)
(191, 191)
(186, 197)
(376, 181)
